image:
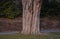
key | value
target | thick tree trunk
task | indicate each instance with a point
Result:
(31, 16)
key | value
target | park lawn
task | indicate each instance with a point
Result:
(20, 36)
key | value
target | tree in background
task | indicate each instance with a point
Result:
(31, 16)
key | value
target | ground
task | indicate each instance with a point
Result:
(20, 36)
(7, 25)
(10, 24)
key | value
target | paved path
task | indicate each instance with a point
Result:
(50, 30)
(2, 33)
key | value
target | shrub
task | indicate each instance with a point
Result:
(9, 9)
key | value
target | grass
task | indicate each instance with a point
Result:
(20, 36)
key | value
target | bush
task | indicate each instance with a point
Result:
(51, 9)
(9, 9)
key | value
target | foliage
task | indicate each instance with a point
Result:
(8, 8)
(50, 9)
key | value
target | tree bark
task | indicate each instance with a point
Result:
(31, 16)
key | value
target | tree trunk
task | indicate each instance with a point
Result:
(31, 16)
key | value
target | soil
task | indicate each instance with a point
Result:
(50, 23)
(10, 24)
(16, 24)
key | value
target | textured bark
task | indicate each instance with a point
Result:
(31, 16)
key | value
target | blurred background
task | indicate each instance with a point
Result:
(11, 15)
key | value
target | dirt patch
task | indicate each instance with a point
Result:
(10, 24)
(47, 23)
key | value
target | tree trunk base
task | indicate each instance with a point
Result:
(30, 33)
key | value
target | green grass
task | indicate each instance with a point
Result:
(20, 36)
